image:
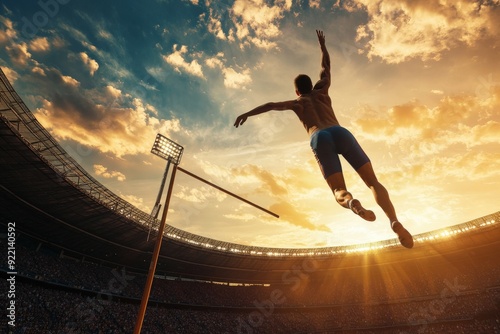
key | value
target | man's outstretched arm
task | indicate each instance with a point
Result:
(325, 62)
(287, 105)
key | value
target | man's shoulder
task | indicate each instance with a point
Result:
(323, 84)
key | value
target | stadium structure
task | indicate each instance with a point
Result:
(82, 255)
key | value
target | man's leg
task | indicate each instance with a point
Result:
(344, 198)
(326, 144)
(379, 192)
(336, 183)
(382, 198)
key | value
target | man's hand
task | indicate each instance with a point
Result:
(240, 120)
(321, 37)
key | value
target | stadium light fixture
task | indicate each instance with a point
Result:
(167, 149)
(172, 152)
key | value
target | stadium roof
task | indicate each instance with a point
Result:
(52, 198)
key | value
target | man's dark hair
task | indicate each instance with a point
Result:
(303, 84)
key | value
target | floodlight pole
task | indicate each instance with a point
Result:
(156, 253)
(172, 152)
(156, 208)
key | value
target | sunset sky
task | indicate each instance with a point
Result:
(417, 82)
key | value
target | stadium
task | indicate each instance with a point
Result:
(82, 254)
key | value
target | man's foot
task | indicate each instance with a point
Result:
(356, 207)
(404, 236)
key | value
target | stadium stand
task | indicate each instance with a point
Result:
(83, 271)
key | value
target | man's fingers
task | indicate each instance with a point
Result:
(239, 121)
(321, 36)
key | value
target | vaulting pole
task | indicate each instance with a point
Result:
(227, 192)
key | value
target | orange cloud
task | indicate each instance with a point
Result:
(270, 183)
(10, 74)
(289, 213)
(420, 129)
(256, 22)
(40, 44)
(19, 53)
(90, 63)
(103, 171)
(178, 62)
(93, 119)
(9, 32)
(399, 30)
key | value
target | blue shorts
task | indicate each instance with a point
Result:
(328, 143)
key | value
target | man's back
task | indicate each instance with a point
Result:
(315, 111)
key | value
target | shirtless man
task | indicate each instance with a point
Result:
(328, 139)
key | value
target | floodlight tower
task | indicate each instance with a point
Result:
(172, 152)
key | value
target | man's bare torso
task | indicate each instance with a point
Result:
(315, 111)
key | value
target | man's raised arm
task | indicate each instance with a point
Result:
(325, 57)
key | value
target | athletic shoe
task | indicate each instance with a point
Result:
(356, 207)
(404, 236)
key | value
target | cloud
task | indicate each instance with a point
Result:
(115, 93)
(214, 25)
(243, 216)
(90, 63)
(420, 130)
(77, 35)
(70, 81)
(177, 60)
(348, 5)
(472, 165)
(216, 61)
(19, 54)
(269, 184)
(92, 118)
(289, 213)
(399, 30)
(487, 133)
(40, 44)
(112, 60)
(8, 33)
(315, 4)
(103, 171)
(258, 23)
(200, 195)
(291, 190)
(245, 175)
(11, 74)
(38, 70)
(232, 78)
